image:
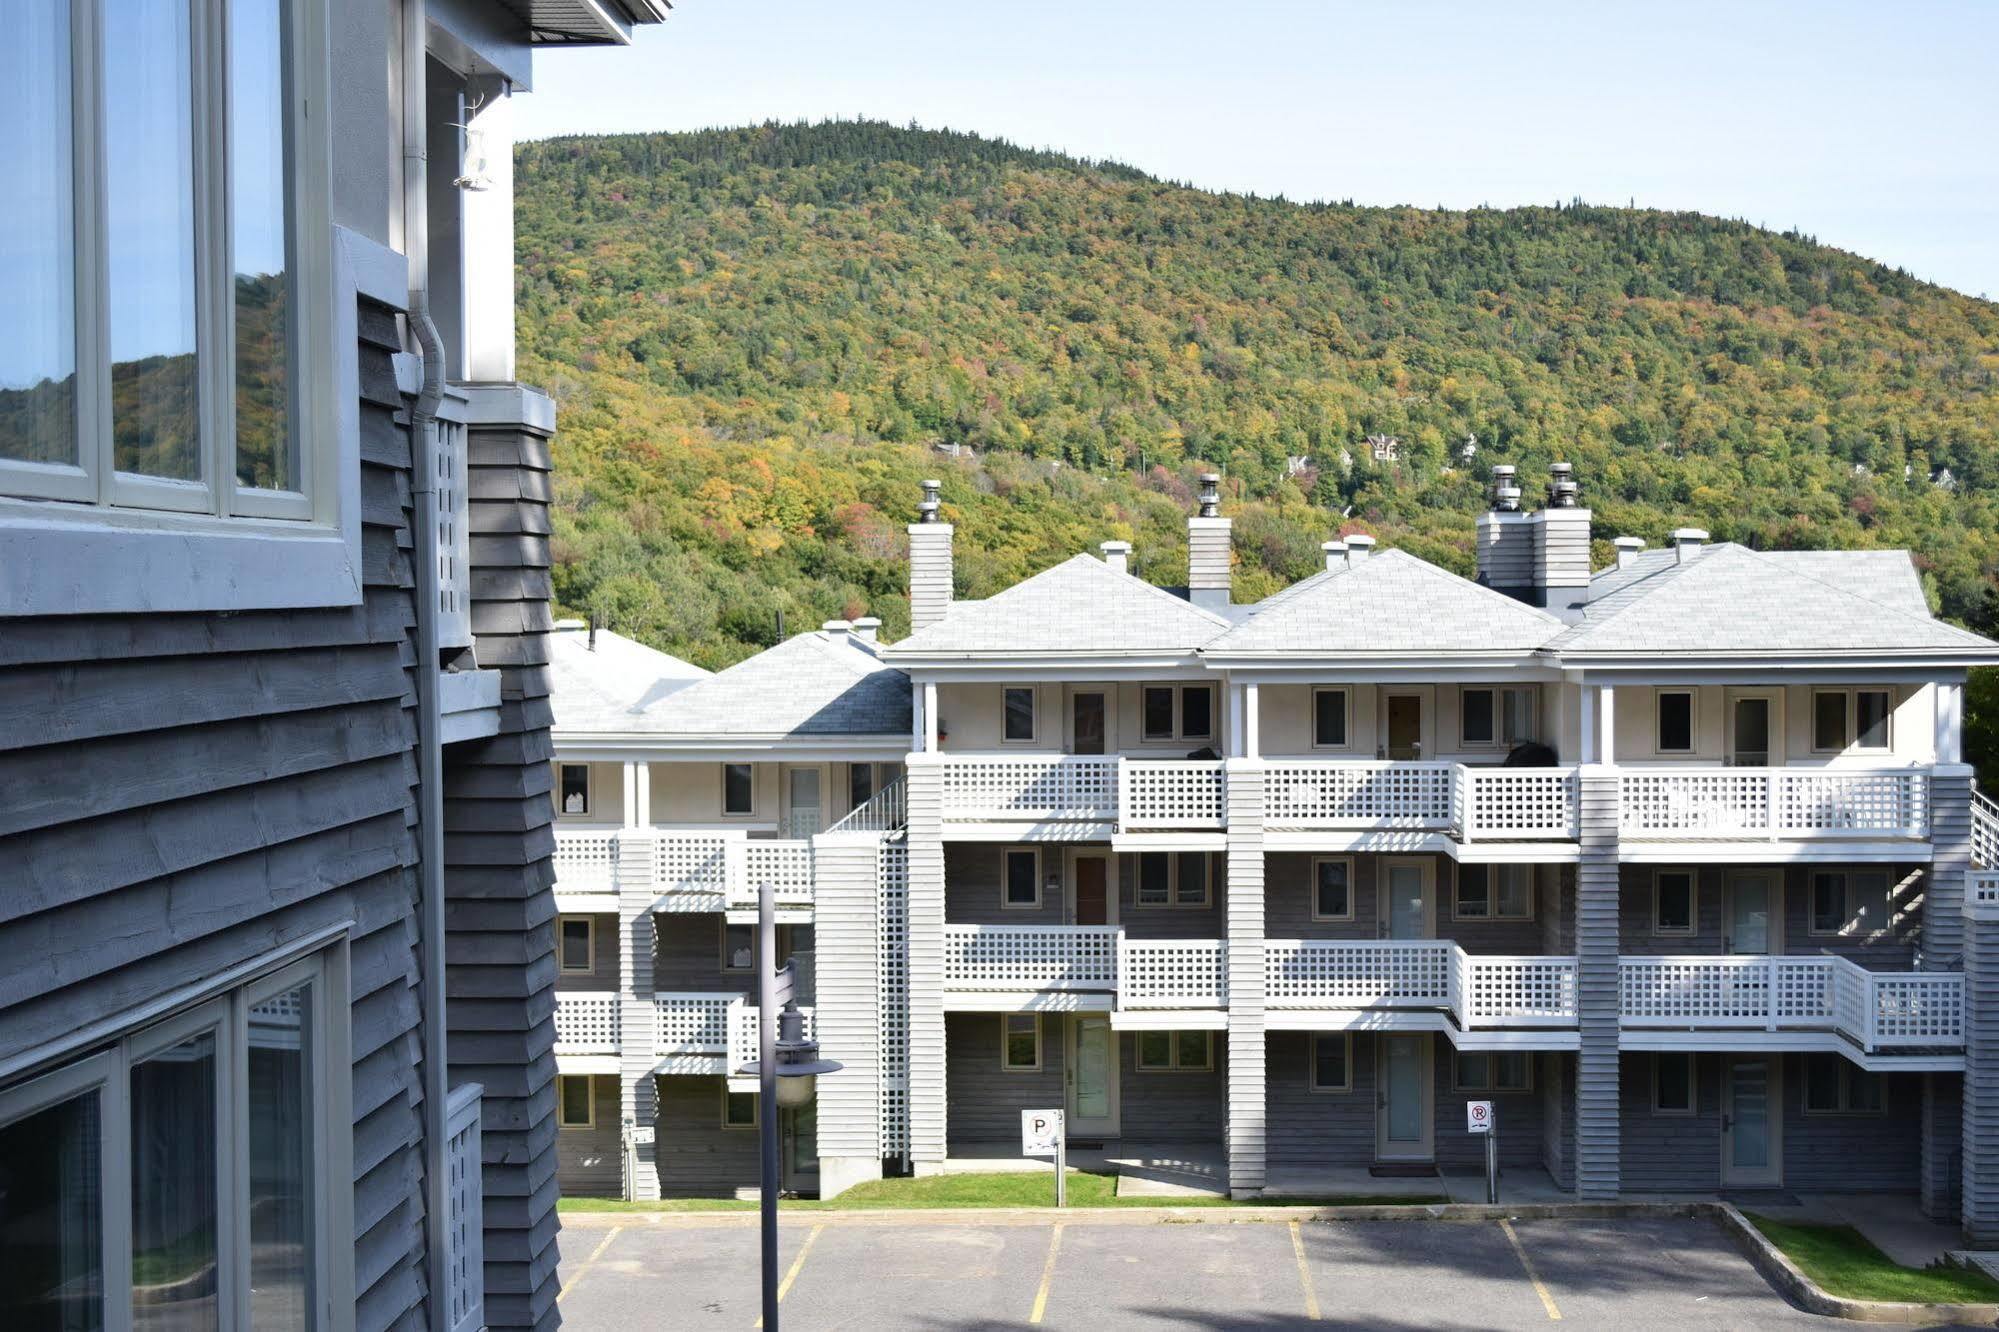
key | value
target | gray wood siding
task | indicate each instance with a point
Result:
(1171, 1108)
(697, 1156)
(604, 975)
(1891, 949)
(1518, 1114)
(687, 953)
(983, 1101)
(1288, 910)
(587, 1159)
(972, 887)
(1311, 1129)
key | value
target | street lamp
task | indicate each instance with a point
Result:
(787, 1069)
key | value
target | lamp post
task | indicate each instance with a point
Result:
(787, 1067)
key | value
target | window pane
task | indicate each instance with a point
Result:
(1870, 719)
(1519, 716)
(1821, 1082)
(1019, 714)
(1828, 902)
(1193, 885)
(739, 947)
(1676, 723)
(1675, 1090)
(1335, 893)
(860, 784)
(1329, 1061)
(575, 945)
(1154, 872)
(1193, 1049)
(38, 337)
(1329, 717)
(1676, 903)
(738, 789)
(1478, 716)
(173, 1186)
(1474, 891)
(51, 1218)
(1473, 1073)
(740, 1108)
(575, 1101)
(1158, 714)
(575, 789)
(149, 203)
(1020, 872)
(1197, 713)
(1516, 890)
(1155, 1049)
(1829, 721)
(1022, 1045)
(1511, 1072)
(1870, 903)
(280, 1151)
(259, 217)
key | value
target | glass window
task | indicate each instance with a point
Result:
(1155, 875)
(1023, 879)
(1190, 886)
(738, 789)
(1868, 908)
(1863, 1091)
(1829, 719)
(1516, 892)
(1022, 1047)
(577, 1110)
(52, 1208)
(174, 1205)
(260, 231)
(1494, 1072)
(1822, 1078)
(1332, 890)
(1478, 717)
(1673, 902)
(1673, 1084)
(1194, 1051)
(739, 1109)
(1871, 708)
(1329, 718)
(1676, 721)
(1158, 708)
(1828, 903)
(1019, 715)
(1330, 1070)
(1197, 712)
(1474, 892)
(1517, 722)
(37, 260)
(578, 943)
(739, 947)
(575, 788)
(281, 1147)
(1155, 1050)
(860, 784)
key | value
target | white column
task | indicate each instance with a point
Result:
(1950, 723)
(486, 219)
(1238, 721)
(638, 1017)
(1252, 737)
(847, 984)
(1586, 724)
(928, 744)
(1606, 730)
(634, 817)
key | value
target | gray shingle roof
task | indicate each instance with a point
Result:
(1082, 605)
(811, 684)
(1391, 602)
(1733, 599)
(595, 692)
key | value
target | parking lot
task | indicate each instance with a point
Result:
(622, 1272)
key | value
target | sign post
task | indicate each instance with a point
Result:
(1478, 1119)
(1043, 1133)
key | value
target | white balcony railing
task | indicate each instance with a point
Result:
(1172, 973)
(1013, 788)
(884, 811)
(1479, 990)
(1030, 957)
(691, 869)
(1489, 990)
(694, 1021)
(1775, 803)
(464, 1211)
(586, 860)
(1875, 1009)
(1514, 804)
(1357, 793)
(1170, 793)
(586, 1022)
(783, 863)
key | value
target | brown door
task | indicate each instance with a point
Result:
(1089, 728)
(1092, 891)
(1405, 726)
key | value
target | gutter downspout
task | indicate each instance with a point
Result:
(430, 745)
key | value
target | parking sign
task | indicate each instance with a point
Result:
(1040, 1132)
(1478, 1116)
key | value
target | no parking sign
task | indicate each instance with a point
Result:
(1478, 1116)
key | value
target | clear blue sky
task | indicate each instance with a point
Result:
(1870, 126)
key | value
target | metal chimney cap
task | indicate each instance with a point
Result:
(1211, 501)
(1506, 499)
(1561, 471)
(926, 512)
(837, 626)
(1361, 540)
(1115, 547)
(1685, 535)
(1503, 472)
(1562, 495)
(1628, 543)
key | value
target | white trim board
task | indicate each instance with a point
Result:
(1755, 851)
(1170, 1019)
(1028, 1001)
(1051, 831)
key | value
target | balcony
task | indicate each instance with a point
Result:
(586, 1023)
(1030, 959)
(1476, 990)
(1159, 794)
(1775, 804)
(1875, 1010)
(1172, 973)
(689, 871)
(1030, 788)
(708, 1031)
(1471, 803)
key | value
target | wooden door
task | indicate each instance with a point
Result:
(1093, 895)
(1405, 726)
(1090, 731)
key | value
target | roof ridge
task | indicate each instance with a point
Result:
(1472, 583)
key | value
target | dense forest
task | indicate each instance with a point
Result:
(761, 338)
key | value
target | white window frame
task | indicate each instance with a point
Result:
(561, 772)
(1312, 888)
(1845, 1107)
(1006, 1064)
(1492, 912)
(723, 774)
(1693, 903)
(1174, 1063)
(1177, 702)
(756, 1110)
(589, 924)
(1033, 714)
(1850, 881)
(1312, 1083)
(1500, 695)
(1174, 901)
(1346, 715)
(1006, 864)
(562, 1120)
(1693, 698)
(1693, 1085)
(135, 543)
(1850, 694)
(1491, 1057)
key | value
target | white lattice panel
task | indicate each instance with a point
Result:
(1695, 991)
(586, 1023)
(586, 860)
(450, 548)
(1170, 793)
(694, 1023)
(1172, 973)
(1012, 787)
(1030, 957)
(464, 1211)
(743, 1036)
(1695, 802)
(1830, 800)
(691, 862)
(1515, 803)
(1984, 831)
(1358, 794)
(892, 866)
(1357, 973)
(1915, 1008)
(786, 864)
(1498, 991)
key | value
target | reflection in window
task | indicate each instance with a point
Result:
(280, 1149)
(51, 1218)
(38, 338)
(259, 231)
(174, 1138)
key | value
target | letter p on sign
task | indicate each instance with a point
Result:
(1478, 1116)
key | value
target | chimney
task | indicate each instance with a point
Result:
(868, 630)
(1628, 549)
(590, 642)
(1336, 554)
(1687, 543)
(1506, 539)
(1561, 545)
(1116, 554)
(929, 562)
(837, 629)
(1359, 546)
(1208, 549)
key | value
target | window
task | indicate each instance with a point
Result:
(1155, 878)
(1157, 705)
(1197, 712)
(1495, 892)
(1020, 1042)
(1332, 1063)
(578, 1105)
(1676, 721)
(1021, 879)
(1672, 1084)
(739, 1109)
(1835, 1087)
(1495, 1073)
(577, 943)
(1332, 888)
(860, 784)
(739, 788)
(1019, 721)
(1860, 717)
(1673, 902)
(1828, 719)
(1849, 902)
(1190, 888)
(1502, 717)
(739, 947)
(1871, 709)
(573, 783)
(1173, 878)
(1177, 712)
(1176, 1051)
(201, 1145)
(1329, 718)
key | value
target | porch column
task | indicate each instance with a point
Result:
(638, 794)
(1247, 1133)
(1956, 924)
(846, 932)
(638, 1016)
(1596, 1147)
(924, 787)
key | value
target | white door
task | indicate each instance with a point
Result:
(1751, 922)
(1403, 1121)
(1752, 1122)
(1092, 1076)
(1751, 730)
(1406, 888)
(803, 821)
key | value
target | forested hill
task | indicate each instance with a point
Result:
(760, 338)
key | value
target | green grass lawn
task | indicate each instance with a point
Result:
(1843, 1262)
(1001, 1189)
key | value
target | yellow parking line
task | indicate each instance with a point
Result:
(1047, 1276)
(595, 1254)
(784, 1286)
(1547, 1300)
(1304, 1273)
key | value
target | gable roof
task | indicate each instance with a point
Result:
(1390, 603)
(811, 684)
(1081, 606)
(602, 689)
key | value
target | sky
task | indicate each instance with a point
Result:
(1869, 126)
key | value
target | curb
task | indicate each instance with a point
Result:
(1790, 1281)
